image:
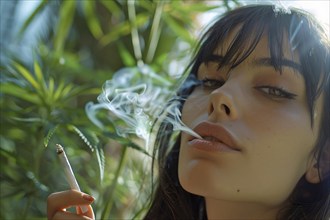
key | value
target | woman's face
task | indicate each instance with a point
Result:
(256, 126)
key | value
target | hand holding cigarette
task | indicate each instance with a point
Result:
(68, 172)
(58, 202)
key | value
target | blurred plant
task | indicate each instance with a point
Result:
(43, 100)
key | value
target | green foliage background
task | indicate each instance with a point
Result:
(43, 99)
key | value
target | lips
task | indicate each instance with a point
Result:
(214, 135)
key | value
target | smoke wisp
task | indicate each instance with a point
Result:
(137, 97)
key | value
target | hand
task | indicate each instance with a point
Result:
(58, 202)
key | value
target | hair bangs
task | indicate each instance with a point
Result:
(249, 26)
(247, 36)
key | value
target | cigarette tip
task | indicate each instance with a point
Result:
(59, 149)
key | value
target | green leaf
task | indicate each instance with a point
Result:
(58, 91)
(101, 161)
(19, 92)
(30, 120)
(178, 29)
(50, 93)
(50, 134)
(27, 75)
(88, 137)
(155, 32)
(67, 12)
(28, 21)
(112, 7)
(38, 185)
(195, 7)
(123, 29)
(93, 143)
(91, 19)
(118, 31)
(16, 192)
(125, 55)
(38, 72)
(66, 90)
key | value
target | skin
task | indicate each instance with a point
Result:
(274, 135)
(58, 202)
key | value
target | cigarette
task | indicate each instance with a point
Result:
(69, 173)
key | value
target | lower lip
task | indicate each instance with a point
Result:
(212, 146)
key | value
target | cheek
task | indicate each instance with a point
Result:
(281, 132)
(287, 121)
(279, 146)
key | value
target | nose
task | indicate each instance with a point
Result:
(222, 105)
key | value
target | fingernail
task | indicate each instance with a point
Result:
(88, 198)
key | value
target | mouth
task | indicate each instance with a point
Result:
(214, 136)
(210, 138)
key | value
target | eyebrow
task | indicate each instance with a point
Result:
(282, 62)
(265, 61)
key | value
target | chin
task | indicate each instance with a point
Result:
(196, 180)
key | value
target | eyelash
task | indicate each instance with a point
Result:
(273, 91)
(276, 92)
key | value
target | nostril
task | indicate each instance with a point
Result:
(211, 109)
(223, 108)
(222, 104)
(226, 109)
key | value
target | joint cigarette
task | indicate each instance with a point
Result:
(69, 173)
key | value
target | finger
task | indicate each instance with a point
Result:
(61, 215)
(65, 199)
(89, 213)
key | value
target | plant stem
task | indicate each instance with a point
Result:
(134, 33)
(109, 202)
(155, 32)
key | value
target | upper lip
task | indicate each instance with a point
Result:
(209, 129)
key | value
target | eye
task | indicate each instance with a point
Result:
(212, 83)
(276, 92)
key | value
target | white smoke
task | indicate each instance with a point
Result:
(137, 97)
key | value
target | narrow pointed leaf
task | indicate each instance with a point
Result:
(100, 160)
(112, 7)
(91, 19)
(49, 135)
(30, 19)
(38, 72)
(177, 28)
(88, 137)
(51, 86)
(58, 91)
(125, 55)
(27, 75)
(19, 92)
(65, 21)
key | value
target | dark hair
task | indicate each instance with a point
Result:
(308, 39)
